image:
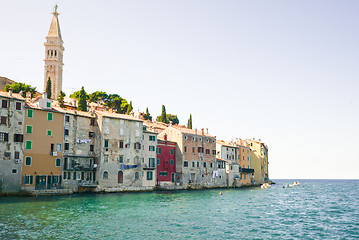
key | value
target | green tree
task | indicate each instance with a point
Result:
(82, 105)
(189, 123)
(148, 116)
(172, 118)
(18, 87)
(61, 99)
(129, 108)
(98, 96)
(48, 88)
(162, 117)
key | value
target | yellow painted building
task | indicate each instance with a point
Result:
(43, 143)
(259, 160)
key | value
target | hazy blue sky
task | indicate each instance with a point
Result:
(283, 71)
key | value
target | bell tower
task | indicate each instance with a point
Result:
(54, 56)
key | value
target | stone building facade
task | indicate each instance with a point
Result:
(81, 150)
(120, 152)
(195, 156)
(11, 141)
(149, 145)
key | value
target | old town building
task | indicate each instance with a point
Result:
(259, 160)
(81, 150)
(43, 138)
(195, 155)
(149, 144)
(229, 152)
(11, 141)
(166, 163)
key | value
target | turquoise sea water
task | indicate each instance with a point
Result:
(317, 209)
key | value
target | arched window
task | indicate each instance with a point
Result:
(137, 175)
(55, 53)
(52, 52)
(120, 177)
(105, 175)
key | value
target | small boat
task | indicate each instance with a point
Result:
(265, 185)
(296, 183)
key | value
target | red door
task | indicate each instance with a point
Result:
(120, 177)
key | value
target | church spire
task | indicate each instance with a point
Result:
(54, 30)
(54, 56)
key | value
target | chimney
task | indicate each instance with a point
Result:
(195, 130)
(202, 131)
(165, 137)
(44, 95)
(207, 130)
(28, 96)
(10, 91)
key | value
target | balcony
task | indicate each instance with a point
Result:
(246, 170)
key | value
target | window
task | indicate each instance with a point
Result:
(151, 162)
(149, 175)
(193, 164)
(121, 144)
(200, 149)
(52, 148)
(137, 175)
(91, 134)
(105, 175)
(185, 164)
(48, 104)
(91, 148)
(207, 151)
(204, 164)
(28, 145)
(214, 152)
(92, 122)
(120, 159)
(152, 148)
(185, 148)
(18, 138)
(29, 129)
(158, 150)
(49, 133)
(152, 138)
(105, 159)
(197, 164)
(163, 174)
(4, 104)
(4, 137)
(7, 154)
(200, 139)
(211, 165)
(207, 140)
(158, 161)
(137, 146)
(17, 155)
(14, 171)
(185, 137)
(49, 116)
(67, 146)
(106, 143)
(67, 118)
(193, 149)
(172, 177)
(66, 132)
(193, 139)
(58, 162)
(171, 151)
(171, 161)
(29, 113)
(3, 120)
(18, 106)
(28, 179)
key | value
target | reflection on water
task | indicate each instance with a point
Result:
(315, 209)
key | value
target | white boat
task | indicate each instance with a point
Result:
(265, 185)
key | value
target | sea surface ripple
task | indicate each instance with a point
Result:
(316, 209)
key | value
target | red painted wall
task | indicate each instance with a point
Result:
(165, 157)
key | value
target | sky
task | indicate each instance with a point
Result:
(285, 72)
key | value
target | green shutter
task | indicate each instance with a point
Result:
(158, 161)
(28, 145)
(49, 116)
(171, 151)
(48, 104)
(171, 162)
(58, 162)
(29, 113)
(29, 129)
(27, 161)
(49, 133)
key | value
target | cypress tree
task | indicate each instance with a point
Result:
(61, 99)
(148, 115)
(189, 123)
(48, 88)
(82, 105)
(163, 117)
